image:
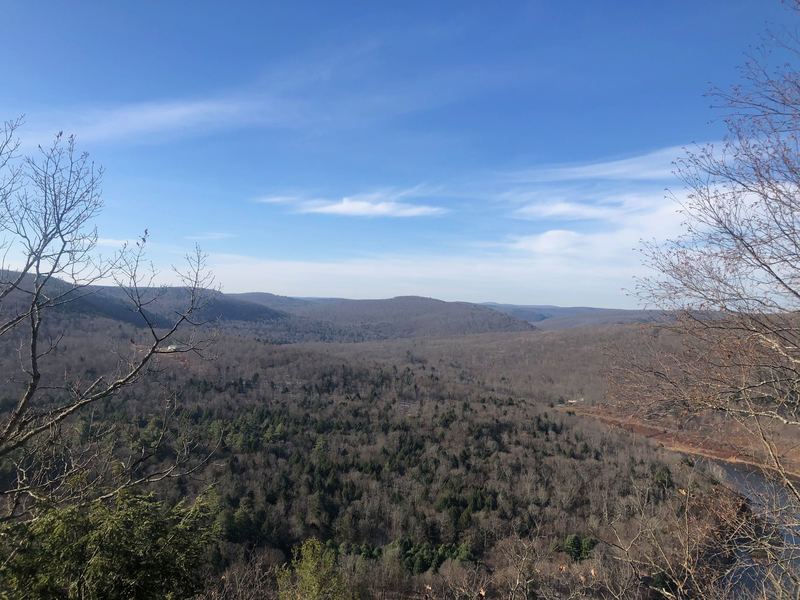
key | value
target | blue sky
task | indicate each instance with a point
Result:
(508, 151)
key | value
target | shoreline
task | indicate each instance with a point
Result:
(676, 441)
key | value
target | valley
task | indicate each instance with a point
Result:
(414, 455)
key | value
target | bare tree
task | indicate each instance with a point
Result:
(734, 279)
(50, 261)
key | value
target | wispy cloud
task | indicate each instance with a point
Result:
(329, 89)
(652, 166)
(611, 242)
(594, 214)
(280, 199)
(157, 119)
(586, 225)
(591, 218)
(576, 246)
(567, 211)
(382, 203)
(354, 207)
(611, 203)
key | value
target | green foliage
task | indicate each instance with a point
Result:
(131, 548)
(587, 545)
(572, 546)
(577, 547)
(422, 557)
(662, 476)
(313, 574)
(318, 445)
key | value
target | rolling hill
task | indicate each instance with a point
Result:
(283, 319)
(401, 317)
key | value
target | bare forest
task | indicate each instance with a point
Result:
(161, 438)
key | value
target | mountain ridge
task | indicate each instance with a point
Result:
(286, 319)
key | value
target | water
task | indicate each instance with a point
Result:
(768, 555)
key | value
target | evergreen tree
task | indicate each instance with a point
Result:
(131, 548)
(313, 574)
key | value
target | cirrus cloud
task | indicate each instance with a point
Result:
(362, 207)
(383, 203)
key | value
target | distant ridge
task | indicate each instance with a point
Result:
(285, 319)
(557, 317)
(282, 319)
(403, 316)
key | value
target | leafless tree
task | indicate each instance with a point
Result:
(461, 581)
(734, 279)
(50, 261)
(518, 579)
(253, 579)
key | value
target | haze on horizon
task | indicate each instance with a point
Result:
(515, 153)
